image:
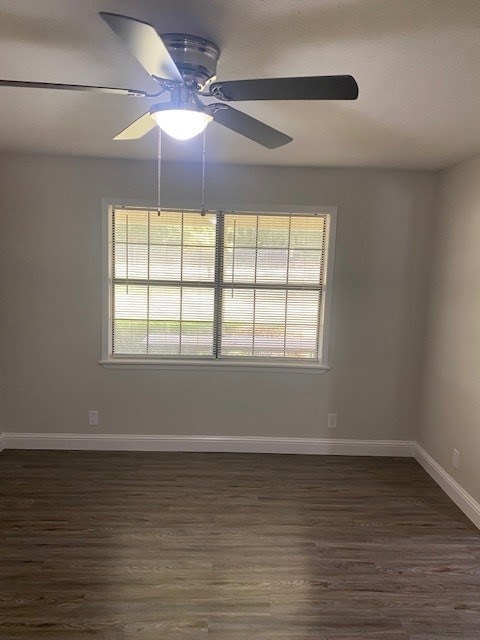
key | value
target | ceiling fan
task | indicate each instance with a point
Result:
(184, 66)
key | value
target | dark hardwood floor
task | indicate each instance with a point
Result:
(155, 546)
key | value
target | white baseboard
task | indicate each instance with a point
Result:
(463, 500)
(239, 444)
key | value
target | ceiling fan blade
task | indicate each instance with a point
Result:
(72, 87)
(145, 45)
(137, 129)
(311, 88)
(249, 127)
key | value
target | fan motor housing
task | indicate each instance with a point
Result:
(195, 57)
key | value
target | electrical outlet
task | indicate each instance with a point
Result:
(332, 421)
(456, 458)
(93, 418)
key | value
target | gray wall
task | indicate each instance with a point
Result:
(450, 415)
(50, 285)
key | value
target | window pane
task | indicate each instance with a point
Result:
(239, 265)
(165, 262)
(164, 325)
(137, 261)
(198, 230)
(305, 267)
(130, 301)
(163, 320)
(250, 265)
(240, 230)
(164, 303)
(269, 338)
(135, 265)
(199, 264)
(237, 322)
(307, 232)
(129, 337)
(270, 324)
(164, 337)
(273, 249)
(192, 331)
(120, 261)
(301, 338)
(197, 321)
(166, 228)
(197, 338)
(182, 245)
(131, 226)
(272, 265)
(273, 231)
(130, 326)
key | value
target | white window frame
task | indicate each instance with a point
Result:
(113, 362)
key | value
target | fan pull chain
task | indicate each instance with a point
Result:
(126, 256)
(233, 251)
(203, 211)
(159, 171)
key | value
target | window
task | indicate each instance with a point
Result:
(236, 287)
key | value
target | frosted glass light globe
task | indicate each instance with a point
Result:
(182, 124)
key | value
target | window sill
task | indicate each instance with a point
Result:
(219, 365)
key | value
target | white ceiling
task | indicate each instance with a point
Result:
(417, 63)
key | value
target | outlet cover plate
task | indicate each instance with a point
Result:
(332, 420)
(456, 458)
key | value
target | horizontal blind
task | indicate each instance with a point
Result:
(162, 283)
(272, 286)
(234, 285)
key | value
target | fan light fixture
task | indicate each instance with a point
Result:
(181, 122)
(185, 67)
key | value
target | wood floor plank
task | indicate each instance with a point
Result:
(124, 546)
